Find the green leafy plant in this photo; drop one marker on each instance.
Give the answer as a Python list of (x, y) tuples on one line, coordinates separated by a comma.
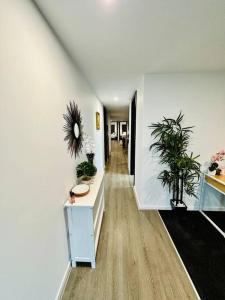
[(86, 169), (183, 170)]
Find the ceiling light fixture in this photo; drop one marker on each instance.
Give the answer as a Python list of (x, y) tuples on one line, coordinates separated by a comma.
[(109, 2), (116, 98)]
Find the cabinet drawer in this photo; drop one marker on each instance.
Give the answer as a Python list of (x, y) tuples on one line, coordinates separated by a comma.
[(98, 223), (97, 202)]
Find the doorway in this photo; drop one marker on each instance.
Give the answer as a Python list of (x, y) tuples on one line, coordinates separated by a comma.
[(106, 135), (118, 126), (133, 135)]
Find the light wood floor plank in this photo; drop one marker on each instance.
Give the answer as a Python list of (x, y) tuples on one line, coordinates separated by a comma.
[(135, 258)]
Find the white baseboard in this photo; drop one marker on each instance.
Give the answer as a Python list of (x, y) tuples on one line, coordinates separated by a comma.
[(63, 282), (136, 197), (156, 207), (148, 206), (213, 209), (213, 224), (180, 259)]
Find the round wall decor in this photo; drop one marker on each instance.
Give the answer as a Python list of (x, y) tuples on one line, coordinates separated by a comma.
[(73, 129)]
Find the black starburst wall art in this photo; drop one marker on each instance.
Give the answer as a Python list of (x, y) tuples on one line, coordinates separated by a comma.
[(73, 129)]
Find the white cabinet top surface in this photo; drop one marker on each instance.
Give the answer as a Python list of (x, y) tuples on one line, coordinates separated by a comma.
[(89, 199)]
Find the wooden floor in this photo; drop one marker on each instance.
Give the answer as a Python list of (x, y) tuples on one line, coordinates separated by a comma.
[(135, 258)]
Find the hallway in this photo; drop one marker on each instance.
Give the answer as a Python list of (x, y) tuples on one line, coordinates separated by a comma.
[(135, 258)]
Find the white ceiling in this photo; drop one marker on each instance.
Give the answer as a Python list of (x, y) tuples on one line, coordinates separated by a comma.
[(114, 42)]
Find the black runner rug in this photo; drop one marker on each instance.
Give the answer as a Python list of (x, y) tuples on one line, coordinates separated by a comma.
[(218, 217), (202, 249)]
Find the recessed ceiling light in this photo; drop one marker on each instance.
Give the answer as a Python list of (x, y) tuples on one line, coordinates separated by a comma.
[(109, 2), (116, 98)]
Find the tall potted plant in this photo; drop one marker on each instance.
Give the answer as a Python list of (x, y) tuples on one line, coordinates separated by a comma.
[(183, 170)]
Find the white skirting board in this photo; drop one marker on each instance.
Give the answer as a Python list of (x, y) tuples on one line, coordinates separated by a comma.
[(155, 207), (63, 282), (136, 197), (148, 207), (219, 209), (213, 224), (192, 284)]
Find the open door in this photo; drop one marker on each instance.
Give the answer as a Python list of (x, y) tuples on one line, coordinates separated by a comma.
[(133, 135)]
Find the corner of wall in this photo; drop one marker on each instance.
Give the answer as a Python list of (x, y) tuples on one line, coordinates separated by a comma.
[(63, 282)]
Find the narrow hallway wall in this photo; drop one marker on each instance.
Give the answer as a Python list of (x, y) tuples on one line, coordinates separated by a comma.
[(37, 81), (201, 97)]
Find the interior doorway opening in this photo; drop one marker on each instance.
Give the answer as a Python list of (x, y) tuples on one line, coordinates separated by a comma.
[(117, 130), (120, 127), (133, 135), (106, 135)]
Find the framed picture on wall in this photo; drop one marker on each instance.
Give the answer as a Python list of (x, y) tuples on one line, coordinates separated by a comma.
[(123, 129), (114, 130), (97, 120)]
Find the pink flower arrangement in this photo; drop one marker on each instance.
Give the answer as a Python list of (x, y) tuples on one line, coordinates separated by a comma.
[(219, 156), (218, 163)]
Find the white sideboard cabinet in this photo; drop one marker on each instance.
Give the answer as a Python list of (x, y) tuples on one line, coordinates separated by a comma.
[(84, 222)]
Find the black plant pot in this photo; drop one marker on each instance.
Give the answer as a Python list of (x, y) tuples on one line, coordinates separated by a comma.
[(178, 208), (90, 157), (218, 171)]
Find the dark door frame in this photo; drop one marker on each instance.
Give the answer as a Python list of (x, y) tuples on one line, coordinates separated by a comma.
[(133, 134), (106, 135)]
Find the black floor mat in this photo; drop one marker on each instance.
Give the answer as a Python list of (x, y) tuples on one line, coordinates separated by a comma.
[(202, 249), (218, 217)]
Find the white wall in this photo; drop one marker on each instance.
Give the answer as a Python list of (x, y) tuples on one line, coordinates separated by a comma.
[(37, 80), (201, 97), (139, 136), (109, 133)]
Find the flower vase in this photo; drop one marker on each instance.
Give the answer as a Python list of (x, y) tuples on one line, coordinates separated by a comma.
[(212, 173), (90, 157), (218, 171)]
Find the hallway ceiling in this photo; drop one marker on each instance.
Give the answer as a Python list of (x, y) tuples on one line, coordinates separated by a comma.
[(114, 42), (121, 114)]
